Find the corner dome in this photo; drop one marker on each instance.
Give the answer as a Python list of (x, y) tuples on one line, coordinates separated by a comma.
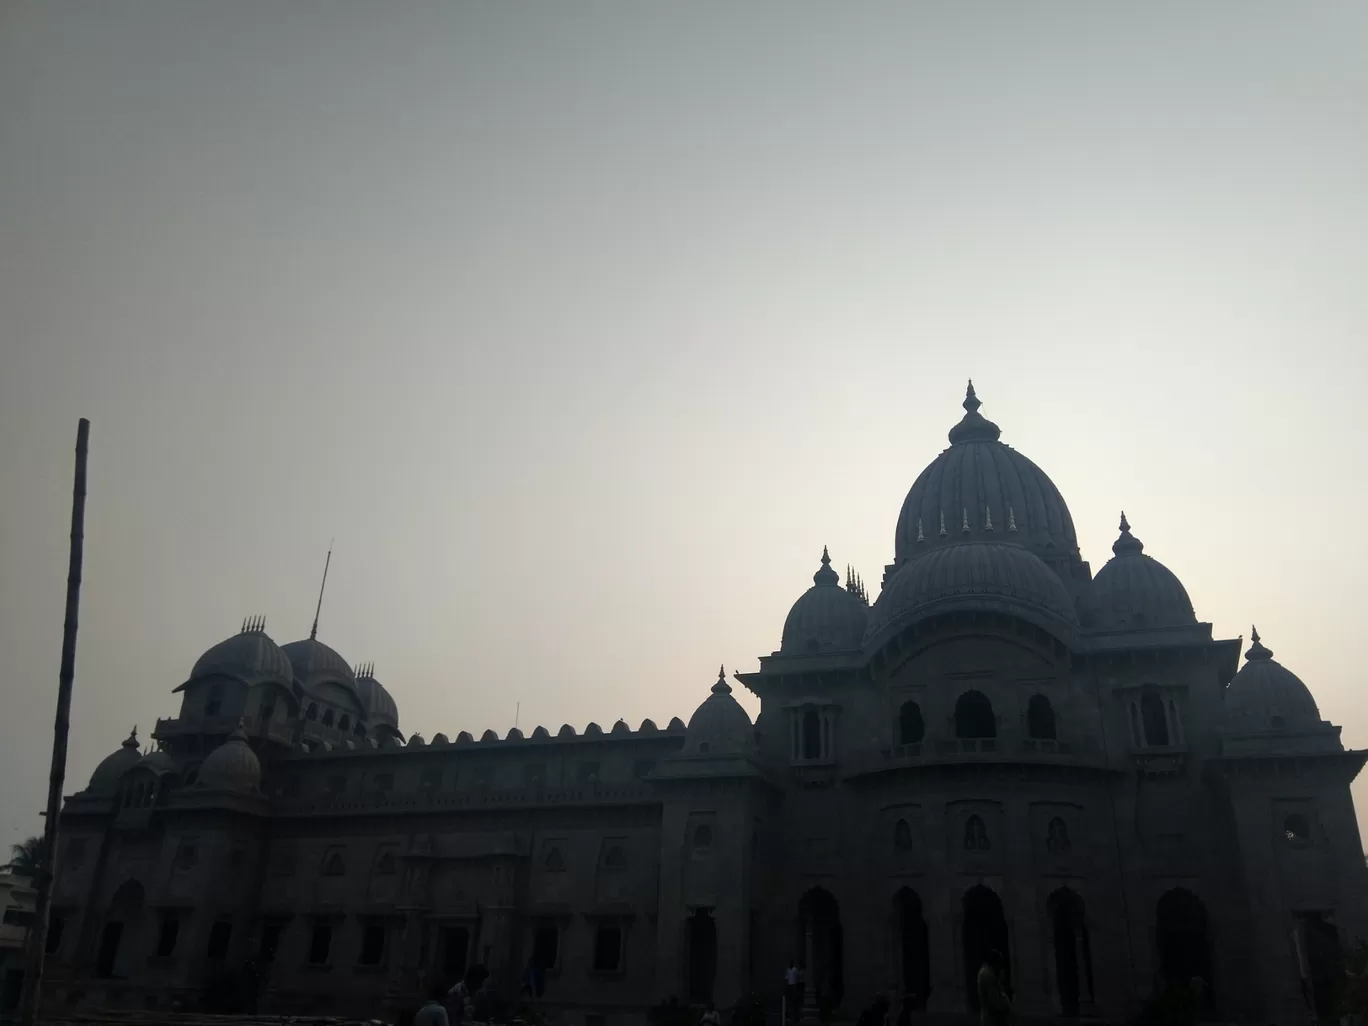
[(314, 663), (1267, 698), (973, 576), (232, 766), (379, 703), (105, 779), (250, 656), (1134, 591), (826, 617), (719, 726), (981, 489)]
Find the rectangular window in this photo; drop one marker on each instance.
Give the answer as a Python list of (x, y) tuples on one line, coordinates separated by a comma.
[(384, 781), (219, 935), (608, 949), (320, 944), (588, 772), (546, 946), (168, 934), (56, 924), (270, 938), (372, 945)]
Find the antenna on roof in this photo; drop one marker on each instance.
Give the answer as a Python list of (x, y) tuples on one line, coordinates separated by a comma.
[(313, 632), (517, 713)]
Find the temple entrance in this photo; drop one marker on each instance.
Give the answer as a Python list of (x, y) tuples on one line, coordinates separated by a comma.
[(455, 951), (985, 932), (1072, 951), (119, 936), (1323, 969), (819, 914), (1184, 948), (914, 952), (702, 939)]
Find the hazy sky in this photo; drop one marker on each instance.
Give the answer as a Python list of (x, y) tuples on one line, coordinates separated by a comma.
[(583, 326)]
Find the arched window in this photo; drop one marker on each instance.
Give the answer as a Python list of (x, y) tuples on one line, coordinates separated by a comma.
[(213, 704), (333, 865), (911, 727), (702, 838), (1040, 718), (615, 861), (976, 835), (902, 836), (360, 730), (1057, 837), (344, 724), (1297, 829), (555, 861), (312, 714), (1156, 723), (974, 716), (327, 717), (812, 735)]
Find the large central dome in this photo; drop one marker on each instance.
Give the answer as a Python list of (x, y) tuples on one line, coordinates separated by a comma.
[(982, 490)]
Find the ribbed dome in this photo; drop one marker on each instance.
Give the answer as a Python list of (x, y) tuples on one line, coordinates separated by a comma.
[(719, 726), (315, 663), (826, 617), (105, 779), (981, 489), (989, 576), (379, 704), (1134, 591), (1265, 697), (250, 656), (232, 766)]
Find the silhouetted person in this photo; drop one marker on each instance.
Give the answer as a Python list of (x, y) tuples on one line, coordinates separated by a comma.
[(995, 1008), (710, 1017), (433, 1013)]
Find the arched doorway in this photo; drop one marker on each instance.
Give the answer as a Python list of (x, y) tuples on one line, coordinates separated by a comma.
[(1323, 958), (819, 913), (702, 955), (119, 937), (1072, 950), (914, 952), (1181, 936), (985, 932)]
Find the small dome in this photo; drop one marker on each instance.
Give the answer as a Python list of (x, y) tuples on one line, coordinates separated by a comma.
[(158, 762), (987, 576), (379, 703), (315, 663), (981, 488), (105, 779), (232, 766), (1266, 697), (1134, 591), (826, 617), (719, 726), (250, 656)]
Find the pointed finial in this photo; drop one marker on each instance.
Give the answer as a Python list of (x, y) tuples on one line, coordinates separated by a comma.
[(942, 523), (826, 556), (972, 426), (132, 740), (1011, 520), (987, 518), (964, 520), (313, 632), (920, 537), (1256, 649), (825, 575), (721, 687), (971, 402), (1127, 543)]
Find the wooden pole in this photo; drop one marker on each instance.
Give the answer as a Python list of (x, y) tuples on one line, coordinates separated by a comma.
[(37, 939)]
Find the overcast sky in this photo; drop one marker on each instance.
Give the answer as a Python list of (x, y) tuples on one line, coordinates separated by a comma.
[(582, 326)]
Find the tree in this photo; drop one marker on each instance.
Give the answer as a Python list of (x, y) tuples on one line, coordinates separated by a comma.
[(26, 857)]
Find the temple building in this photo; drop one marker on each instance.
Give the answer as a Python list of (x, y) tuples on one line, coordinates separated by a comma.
[(1004, 752)]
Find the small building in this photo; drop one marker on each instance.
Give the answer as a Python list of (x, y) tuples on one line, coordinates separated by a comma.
[(17, 898)]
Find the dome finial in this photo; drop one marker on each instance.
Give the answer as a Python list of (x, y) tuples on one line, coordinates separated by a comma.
[(1256, 649), (825, 575), (721, 687), (973, 427), (132, 740), (1127, 543)]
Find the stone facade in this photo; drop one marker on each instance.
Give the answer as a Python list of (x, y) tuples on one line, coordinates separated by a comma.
[(1005, 752)]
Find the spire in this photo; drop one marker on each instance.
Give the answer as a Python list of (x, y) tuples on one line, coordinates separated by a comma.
[(825, 575), (973, 427), (721, 687), (1257, 652), (987, 518), (313, 632), (920, 536), (942, 523), (1011, 520), (964, 520), (132, 740), (1127, 544)]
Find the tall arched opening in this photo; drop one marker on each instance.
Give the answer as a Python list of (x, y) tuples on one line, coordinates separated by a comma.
[(1181, 937), (1072, 950), (913, 947), (820, 916), (702, 955), (119, 936), (985, 932)]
